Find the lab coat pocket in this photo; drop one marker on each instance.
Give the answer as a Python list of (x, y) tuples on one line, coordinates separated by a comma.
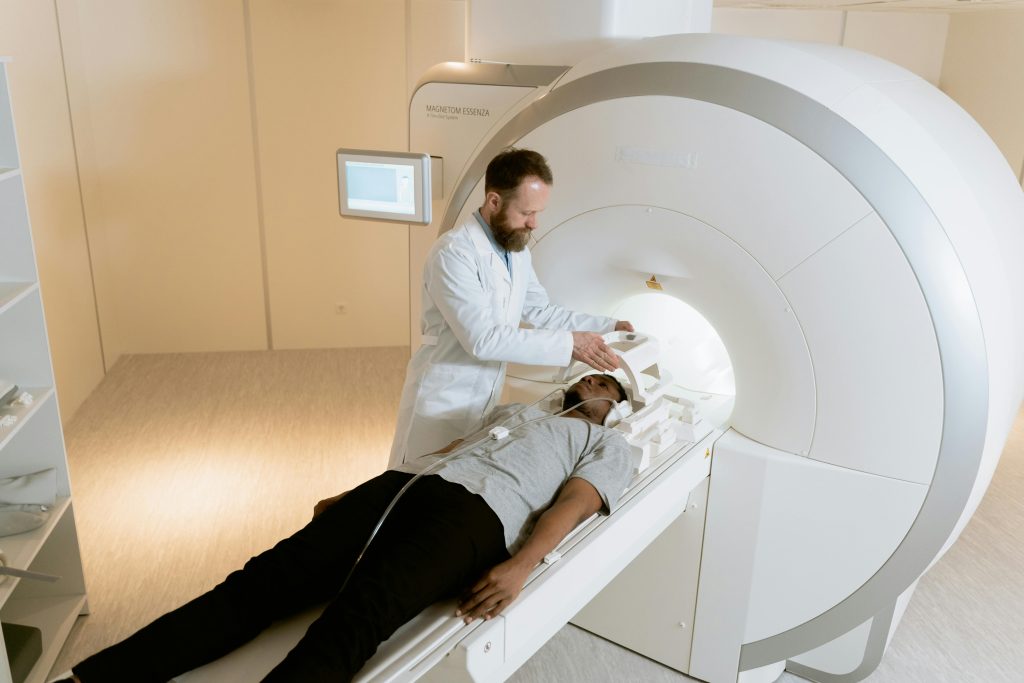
[(447, 392)]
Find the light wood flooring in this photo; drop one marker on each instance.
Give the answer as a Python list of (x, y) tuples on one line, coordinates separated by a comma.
[(183, 466)]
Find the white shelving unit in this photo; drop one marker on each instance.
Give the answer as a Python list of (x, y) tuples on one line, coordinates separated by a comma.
[(35, 441)]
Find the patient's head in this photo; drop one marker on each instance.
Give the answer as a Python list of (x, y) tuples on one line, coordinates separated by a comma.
[(593, 387)]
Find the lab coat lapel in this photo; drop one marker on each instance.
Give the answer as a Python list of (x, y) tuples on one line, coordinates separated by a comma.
[(495, 264), (498, 273)]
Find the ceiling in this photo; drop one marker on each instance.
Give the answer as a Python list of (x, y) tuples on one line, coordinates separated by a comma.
[(878, 5)]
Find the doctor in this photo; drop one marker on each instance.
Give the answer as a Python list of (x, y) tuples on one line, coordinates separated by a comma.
[(478, 285)]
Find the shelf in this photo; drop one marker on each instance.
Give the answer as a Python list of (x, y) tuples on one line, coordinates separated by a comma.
[(23, 413), (21, 550), (13, 292), (54, 616), (35, 441)]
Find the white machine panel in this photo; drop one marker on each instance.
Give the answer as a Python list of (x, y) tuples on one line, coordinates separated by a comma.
[(842, 655), (758, 186), (876, 362), (786, 539), (726, 566), (450, 119), (805, 562), (699, 265), (649, 607), (956, 144)]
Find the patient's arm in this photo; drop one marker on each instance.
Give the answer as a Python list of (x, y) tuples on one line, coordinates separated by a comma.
[(450, 447), (326, 503), (576, 502)]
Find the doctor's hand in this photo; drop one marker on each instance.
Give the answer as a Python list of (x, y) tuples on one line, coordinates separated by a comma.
[(589, 348), (624, 326), (494, 591)]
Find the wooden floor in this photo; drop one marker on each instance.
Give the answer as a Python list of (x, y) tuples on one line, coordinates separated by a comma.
[(183, 466)]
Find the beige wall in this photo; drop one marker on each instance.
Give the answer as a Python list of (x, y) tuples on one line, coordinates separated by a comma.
[(437, 33), (209, 131), (984, 72), (160, 104), (202, 134), (329, 75), (29, 34), (912, 40), (815, 26)]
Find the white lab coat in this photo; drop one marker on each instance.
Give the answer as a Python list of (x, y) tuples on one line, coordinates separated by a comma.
[(470, 330)]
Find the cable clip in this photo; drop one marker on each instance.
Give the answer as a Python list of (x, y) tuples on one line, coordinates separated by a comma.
[(552, 557), (498, 433)]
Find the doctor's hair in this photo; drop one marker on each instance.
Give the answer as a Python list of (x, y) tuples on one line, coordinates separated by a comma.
[(507, 170)]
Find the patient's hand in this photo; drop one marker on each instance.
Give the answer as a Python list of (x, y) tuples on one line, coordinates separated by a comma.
[(326, 503), (495, 591)]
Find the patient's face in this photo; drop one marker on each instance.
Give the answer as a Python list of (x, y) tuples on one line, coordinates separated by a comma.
[(593, 387)]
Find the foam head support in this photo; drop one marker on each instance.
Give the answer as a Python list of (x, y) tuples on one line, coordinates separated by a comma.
[(618, 411)]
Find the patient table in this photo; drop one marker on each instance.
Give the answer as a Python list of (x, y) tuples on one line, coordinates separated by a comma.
[(437, 646)]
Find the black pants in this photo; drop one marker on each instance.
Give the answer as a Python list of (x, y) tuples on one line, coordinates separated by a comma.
[(437, 541)]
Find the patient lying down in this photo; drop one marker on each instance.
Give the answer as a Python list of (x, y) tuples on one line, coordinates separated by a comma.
[(474, 527)]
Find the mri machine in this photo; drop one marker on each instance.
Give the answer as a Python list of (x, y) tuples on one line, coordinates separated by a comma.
[(835, 235)]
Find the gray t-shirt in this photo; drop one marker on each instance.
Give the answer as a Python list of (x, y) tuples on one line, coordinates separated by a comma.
[(520, 476)]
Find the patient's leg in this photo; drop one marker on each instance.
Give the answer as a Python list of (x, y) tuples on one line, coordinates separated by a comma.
[(441, 539), (302, 570)]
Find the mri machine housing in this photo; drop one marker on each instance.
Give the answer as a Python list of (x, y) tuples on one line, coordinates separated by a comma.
[(844, 227)]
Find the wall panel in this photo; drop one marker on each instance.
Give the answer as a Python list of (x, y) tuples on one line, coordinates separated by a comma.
[(815, 26), (983, 71), (329, 75), (437, 33), (915, 41), (160, 104)]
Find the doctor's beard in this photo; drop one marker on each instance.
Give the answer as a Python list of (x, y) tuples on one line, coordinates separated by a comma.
[(510, 239)]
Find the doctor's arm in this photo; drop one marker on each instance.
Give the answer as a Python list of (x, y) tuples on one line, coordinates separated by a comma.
[(587, 345), (540, 312), (454, 285), (576, 502)]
